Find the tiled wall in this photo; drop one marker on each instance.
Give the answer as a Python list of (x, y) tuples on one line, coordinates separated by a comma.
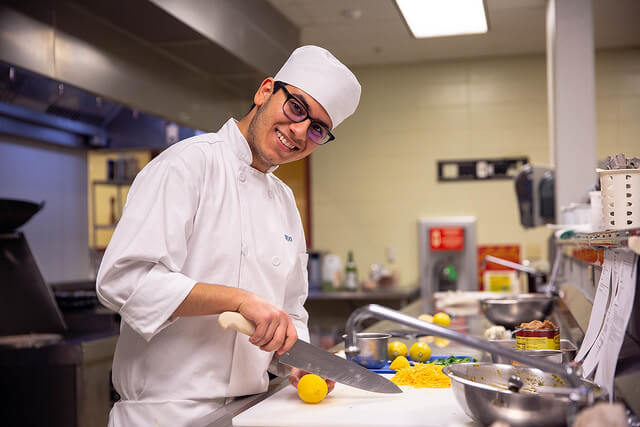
[(371, 185)]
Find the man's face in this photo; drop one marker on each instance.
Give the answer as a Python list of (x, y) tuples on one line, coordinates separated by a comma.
[(274, 139)]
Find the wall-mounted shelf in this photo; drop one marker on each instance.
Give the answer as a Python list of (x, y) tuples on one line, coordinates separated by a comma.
[(117, 209), (606, 239), (116, 182), (104, 226)]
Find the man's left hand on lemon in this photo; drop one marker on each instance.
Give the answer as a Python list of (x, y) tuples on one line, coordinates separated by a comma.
[(296, 374)]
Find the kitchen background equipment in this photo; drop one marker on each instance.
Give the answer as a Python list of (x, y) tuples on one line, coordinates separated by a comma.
[(447, 254), (317, 361), (482, 389), (535, 195), (566, 353), (373, 349), (332, 273), (511, 311), (314, 267), (597, 220), (535, 278), (27, 304), (29, 340), (620, 198), (15, 213)]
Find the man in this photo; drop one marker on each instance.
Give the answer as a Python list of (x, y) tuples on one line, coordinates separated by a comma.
[(208, 228)]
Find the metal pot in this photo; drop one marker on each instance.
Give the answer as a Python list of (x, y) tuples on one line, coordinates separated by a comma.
[(482, 389), (14, 213), (373, 349)]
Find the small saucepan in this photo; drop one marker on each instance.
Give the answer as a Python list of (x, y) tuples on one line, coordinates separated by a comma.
[(373, 349)]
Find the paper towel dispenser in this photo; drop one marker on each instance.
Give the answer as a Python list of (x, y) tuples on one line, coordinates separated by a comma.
[(535, 190)]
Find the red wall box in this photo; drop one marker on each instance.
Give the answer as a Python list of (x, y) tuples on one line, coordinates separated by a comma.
[(446, 238)]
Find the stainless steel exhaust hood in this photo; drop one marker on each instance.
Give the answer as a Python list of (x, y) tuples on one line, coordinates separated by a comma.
[(194, 62)]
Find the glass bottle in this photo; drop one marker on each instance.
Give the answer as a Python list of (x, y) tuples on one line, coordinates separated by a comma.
[(351, 274)]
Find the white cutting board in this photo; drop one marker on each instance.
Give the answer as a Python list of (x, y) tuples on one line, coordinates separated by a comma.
[(348, 406)]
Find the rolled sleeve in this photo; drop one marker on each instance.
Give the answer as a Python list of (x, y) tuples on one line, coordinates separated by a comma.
[(148, 310)]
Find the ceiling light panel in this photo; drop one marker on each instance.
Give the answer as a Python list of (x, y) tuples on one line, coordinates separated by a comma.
[(438, 18)]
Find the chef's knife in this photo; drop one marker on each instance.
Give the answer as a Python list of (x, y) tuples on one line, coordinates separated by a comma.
[(317, 361)]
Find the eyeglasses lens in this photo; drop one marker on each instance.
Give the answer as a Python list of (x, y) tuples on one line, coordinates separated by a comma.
[(297, 113), (294, 110), (316, 133)]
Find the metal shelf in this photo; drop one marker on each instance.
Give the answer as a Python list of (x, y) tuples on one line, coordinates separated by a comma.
[(119, 185), (104, 226), (606, 239), (116, 182)]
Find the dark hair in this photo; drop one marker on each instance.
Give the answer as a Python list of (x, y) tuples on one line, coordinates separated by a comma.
[(277, 85)]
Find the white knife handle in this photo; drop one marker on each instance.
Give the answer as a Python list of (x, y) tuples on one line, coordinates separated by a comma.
[(237, 321)]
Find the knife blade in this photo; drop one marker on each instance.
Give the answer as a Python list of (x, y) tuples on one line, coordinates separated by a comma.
[(310, 358)]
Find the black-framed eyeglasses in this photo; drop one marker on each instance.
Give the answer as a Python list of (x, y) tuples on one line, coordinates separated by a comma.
[(297, 112)]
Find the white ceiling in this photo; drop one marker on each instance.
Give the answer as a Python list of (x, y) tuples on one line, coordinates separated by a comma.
[(380, 35)]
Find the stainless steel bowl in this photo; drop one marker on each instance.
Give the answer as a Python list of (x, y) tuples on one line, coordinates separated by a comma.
[(511, 311), (373, 349), (482, 391), (566, 353)]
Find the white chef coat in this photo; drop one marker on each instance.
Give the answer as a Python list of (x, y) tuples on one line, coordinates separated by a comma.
[(197, 213)]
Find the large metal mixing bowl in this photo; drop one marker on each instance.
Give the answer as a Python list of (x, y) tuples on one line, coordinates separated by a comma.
[(511, 311), (483, 392)]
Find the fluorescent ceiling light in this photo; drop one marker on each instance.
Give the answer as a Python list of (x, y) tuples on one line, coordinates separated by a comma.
[(436, 18)]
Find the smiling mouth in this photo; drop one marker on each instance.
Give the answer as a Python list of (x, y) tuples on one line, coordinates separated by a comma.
[(284, 141)]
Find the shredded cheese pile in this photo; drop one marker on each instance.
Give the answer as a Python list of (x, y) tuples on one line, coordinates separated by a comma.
[(422, 375)]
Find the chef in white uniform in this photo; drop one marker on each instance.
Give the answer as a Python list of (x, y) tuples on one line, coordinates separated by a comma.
[(208, 228)]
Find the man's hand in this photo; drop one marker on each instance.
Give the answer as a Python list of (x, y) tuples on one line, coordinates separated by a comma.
[(296, 374), (274, 328)]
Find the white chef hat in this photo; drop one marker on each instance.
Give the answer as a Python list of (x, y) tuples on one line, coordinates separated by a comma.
[(317, 72)]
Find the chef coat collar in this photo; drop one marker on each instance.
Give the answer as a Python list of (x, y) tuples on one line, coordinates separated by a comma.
[(239, 144)]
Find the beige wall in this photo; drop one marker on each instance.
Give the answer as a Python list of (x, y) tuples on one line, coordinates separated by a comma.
[(371, 185)]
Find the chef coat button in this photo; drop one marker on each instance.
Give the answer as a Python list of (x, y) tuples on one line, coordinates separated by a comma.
[(270, 193), (242, 177), (245, 250), (276, 261)]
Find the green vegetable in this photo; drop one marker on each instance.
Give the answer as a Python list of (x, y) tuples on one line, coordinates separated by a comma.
[(453, 359)]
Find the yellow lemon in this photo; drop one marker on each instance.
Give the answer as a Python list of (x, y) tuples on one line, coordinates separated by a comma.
[(420, 352), (312, 388), (400, 362), (442, 319), (395, 349)]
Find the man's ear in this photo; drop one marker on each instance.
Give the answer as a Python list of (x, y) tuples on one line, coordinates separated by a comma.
[(264, 91)]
